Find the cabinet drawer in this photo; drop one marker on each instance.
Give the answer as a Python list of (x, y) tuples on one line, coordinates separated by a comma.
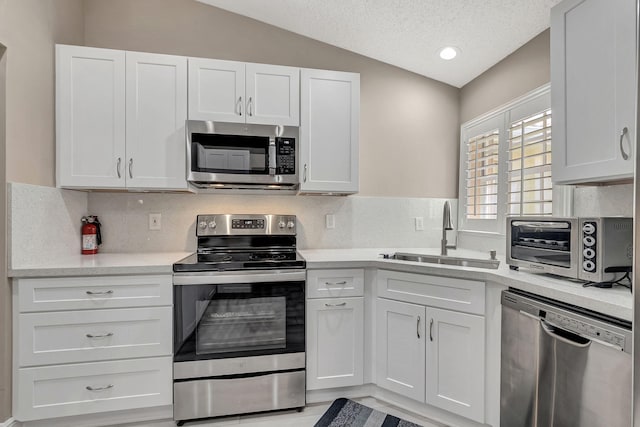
[(66, 390), (77, 293), (335, 283), (435, 291), (83, 336)]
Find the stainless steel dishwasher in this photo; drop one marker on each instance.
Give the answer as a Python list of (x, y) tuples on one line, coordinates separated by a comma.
[(562, 366)]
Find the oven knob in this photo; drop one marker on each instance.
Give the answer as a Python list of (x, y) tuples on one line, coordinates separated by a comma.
[(281, 224), (588, 228), (202, 224), (589, 266), (589, 253), (291, 224), (212, 224), (589, 241)]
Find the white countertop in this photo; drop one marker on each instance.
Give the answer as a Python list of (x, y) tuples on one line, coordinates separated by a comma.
[(99, 264), (616, 302)]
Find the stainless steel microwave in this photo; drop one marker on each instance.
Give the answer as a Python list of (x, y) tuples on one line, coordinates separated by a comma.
[(591, 249), (240, 161)]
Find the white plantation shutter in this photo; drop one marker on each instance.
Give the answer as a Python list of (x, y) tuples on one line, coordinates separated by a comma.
[(529, 170), (482, 176), (505, 165)]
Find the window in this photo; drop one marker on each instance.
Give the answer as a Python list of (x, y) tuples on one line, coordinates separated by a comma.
[(505, 164)]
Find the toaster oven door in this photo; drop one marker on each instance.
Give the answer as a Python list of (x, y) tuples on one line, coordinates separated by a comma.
[(548, 245)]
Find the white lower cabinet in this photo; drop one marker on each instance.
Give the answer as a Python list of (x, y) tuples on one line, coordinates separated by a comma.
[(433, 352), (335, 328), (455, 362), (400, 364), (85, 388), (84, 345), (335, 342)]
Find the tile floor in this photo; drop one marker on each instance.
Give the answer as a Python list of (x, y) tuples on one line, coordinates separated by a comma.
[(306, 418)]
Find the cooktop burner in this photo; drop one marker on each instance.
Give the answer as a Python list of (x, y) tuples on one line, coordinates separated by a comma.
[(243, 242)]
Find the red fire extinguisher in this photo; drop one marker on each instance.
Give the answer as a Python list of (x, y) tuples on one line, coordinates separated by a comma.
[(91, 237)]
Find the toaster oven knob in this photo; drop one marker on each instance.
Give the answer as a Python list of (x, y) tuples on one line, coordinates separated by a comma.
[(202, 224), (281, 224), (212, 225), (588, 228), (589, 253), (589, 241), (588, 266), (290, 224)]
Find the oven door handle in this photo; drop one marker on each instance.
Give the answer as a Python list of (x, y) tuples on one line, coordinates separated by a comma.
[(217, 278)]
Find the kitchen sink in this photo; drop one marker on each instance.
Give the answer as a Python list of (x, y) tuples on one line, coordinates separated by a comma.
[(445, 260)]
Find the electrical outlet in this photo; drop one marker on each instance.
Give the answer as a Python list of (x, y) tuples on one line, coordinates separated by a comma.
[(330, 220), (419, 223), (155, 221)]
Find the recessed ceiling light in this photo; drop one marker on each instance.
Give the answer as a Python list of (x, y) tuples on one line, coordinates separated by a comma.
[(448, 53)]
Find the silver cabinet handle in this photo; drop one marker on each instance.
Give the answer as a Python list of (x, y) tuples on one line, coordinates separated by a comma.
[(131, 168), (625, 156), (344, 282), (342, 304), (240, 106), (431, 330), (118, 167), (99, 292), (304, 175), (110, 334), (107, 387), (418, 327), (250, 107)]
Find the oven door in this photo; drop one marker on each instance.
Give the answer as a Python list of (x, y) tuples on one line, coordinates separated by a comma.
[(238, 314)]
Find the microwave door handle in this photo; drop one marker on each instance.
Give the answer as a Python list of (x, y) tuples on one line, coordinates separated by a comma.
[(272, 156)]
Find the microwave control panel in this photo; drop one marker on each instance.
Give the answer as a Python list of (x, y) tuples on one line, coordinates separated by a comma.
[(285, 156)]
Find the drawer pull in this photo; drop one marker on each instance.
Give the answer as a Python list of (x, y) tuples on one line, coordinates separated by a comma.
[(110, 334), (342, 304), (344, 282), (107, 387), (99, 292)]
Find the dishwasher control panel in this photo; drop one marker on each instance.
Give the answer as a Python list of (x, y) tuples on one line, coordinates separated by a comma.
[(586, 329)]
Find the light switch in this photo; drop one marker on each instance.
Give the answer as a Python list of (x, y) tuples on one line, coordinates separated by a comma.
[(330, 220), (419, 223)]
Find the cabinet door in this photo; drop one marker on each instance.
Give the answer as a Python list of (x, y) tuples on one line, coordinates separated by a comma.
[(455, 362), (156, 106), (335, 342), (329, 131), (216, 90), (593, 54), (90, 117), (400, 366), (273, 95)]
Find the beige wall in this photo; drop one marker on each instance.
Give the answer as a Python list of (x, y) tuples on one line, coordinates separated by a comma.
[(29, 29), (409, 124), (521, 72), (5, 292)]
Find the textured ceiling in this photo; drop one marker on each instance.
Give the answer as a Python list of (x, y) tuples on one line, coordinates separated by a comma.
[(409, 33)]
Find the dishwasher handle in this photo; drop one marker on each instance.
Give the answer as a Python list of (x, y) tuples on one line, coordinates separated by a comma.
[(564, 335)]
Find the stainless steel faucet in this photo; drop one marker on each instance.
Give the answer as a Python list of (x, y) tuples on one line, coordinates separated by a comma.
[(446, 225)]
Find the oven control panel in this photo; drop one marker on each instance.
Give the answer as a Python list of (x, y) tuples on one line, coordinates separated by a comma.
[(237, 224)]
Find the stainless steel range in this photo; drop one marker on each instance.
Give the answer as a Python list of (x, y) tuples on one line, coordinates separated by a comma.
[(239, 318)]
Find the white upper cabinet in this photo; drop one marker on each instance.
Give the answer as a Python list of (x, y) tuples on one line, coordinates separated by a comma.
[(156, 109), (238, 92), (593, 56), (90, 117), (97, 92), (329, 131)]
